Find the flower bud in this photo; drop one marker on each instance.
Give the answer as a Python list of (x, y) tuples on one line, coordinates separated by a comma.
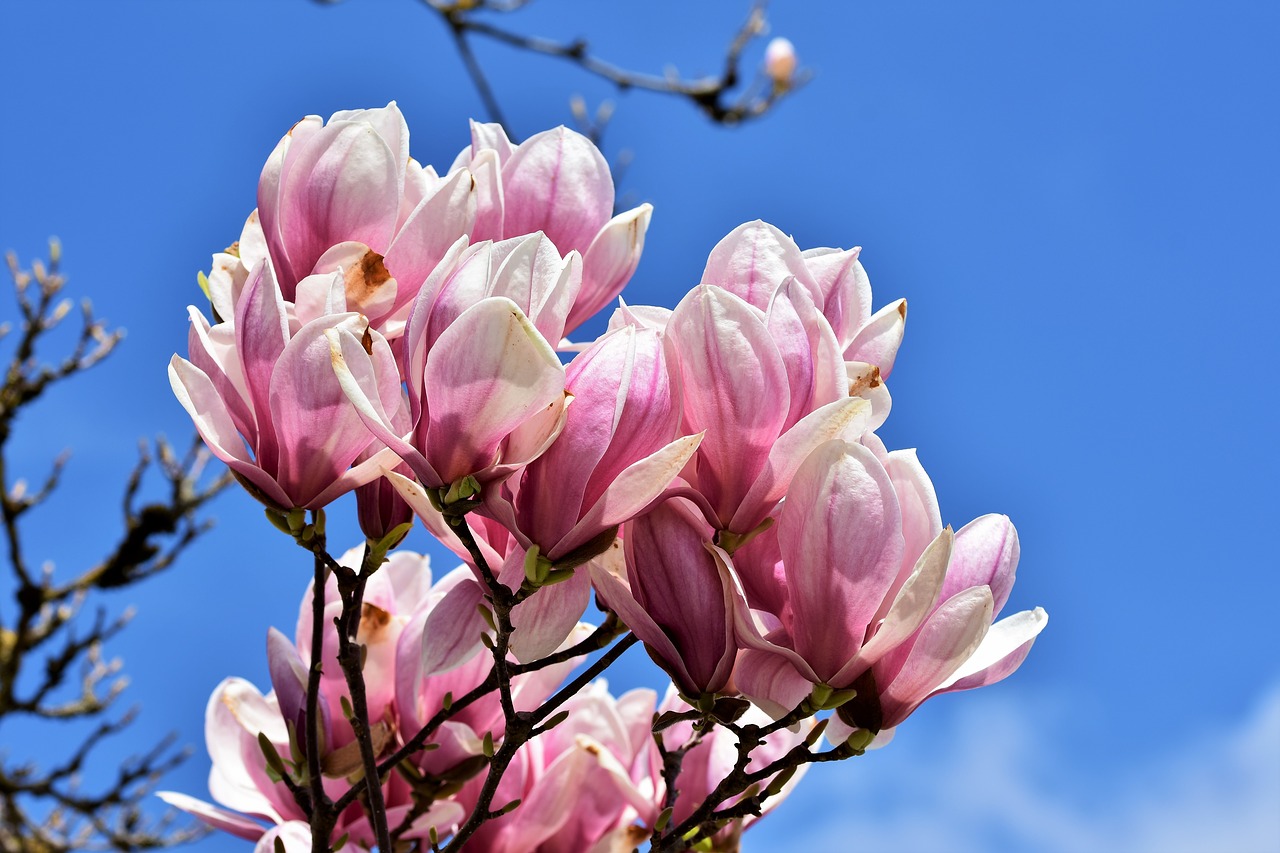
[(780, 61)]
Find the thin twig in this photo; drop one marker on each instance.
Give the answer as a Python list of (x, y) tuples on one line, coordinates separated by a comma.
[(48, 636), (716, 96)]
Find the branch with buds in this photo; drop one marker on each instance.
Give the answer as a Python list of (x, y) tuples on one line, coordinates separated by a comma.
[(723, 98), (711, 473), (51, 653)]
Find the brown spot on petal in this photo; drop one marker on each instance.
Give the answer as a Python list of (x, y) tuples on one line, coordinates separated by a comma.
[(373, 623), (866, 380), (633, 836), (346, 760), (233, 249), (902, 309), (363, 279), (366, 341)]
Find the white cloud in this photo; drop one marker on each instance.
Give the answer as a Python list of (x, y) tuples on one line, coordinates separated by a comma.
[(996, 778)]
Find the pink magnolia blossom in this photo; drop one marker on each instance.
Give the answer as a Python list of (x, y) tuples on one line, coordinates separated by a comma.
[(486, 400), (755, 259), (348, 185), (558, 183), (854, 618), (765, 389), (957, 647), (840, 542), (678, 596), (616, 456), (617, 453), (345, 196), (422, 641), (528, 270), (258, 388)]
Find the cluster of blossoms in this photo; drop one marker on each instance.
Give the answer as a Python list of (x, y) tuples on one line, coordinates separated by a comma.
[(592, 782), (711, 472)]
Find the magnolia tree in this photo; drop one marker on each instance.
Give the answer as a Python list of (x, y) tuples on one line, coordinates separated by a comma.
[(710, 474)]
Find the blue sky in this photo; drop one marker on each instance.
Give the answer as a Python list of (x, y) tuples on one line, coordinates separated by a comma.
[(1078, 201)]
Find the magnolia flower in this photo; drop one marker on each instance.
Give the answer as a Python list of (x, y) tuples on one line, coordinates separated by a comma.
[(259, 388), (618, 453), (957, 647), (557, 182), (852, 621), (486, 400), (678, 596), (421, 641), (756, 259), (528, 270), (766, 389), (345, 196), (350, 183)]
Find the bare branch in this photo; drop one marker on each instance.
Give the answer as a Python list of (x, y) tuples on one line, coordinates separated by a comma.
[(720, 97), (48, 640)]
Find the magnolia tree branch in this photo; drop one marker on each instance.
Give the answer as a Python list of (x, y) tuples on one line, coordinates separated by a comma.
[(519, 726), (723, 98), (707, 818), (51, 658)]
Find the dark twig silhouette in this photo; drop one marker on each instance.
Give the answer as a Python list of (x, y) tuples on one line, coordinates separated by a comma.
[(51, 652)]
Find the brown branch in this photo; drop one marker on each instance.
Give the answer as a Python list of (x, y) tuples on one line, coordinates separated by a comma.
[(708, 818), (46, 639), (716, 96)]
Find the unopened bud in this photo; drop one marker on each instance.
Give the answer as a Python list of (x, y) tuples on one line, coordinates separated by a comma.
[(860, 740), (780, 61)]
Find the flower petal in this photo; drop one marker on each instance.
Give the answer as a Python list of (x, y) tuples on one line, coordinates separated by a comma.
[(557, 182), (431, 230), (986, 554), (845, 289), (945, 642), (1001, 652), (737, 391), (237, 825), (836, 581), (843, 419), (877, 342), (196, 393), (610, 262), (753, 260), (489, 373)]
